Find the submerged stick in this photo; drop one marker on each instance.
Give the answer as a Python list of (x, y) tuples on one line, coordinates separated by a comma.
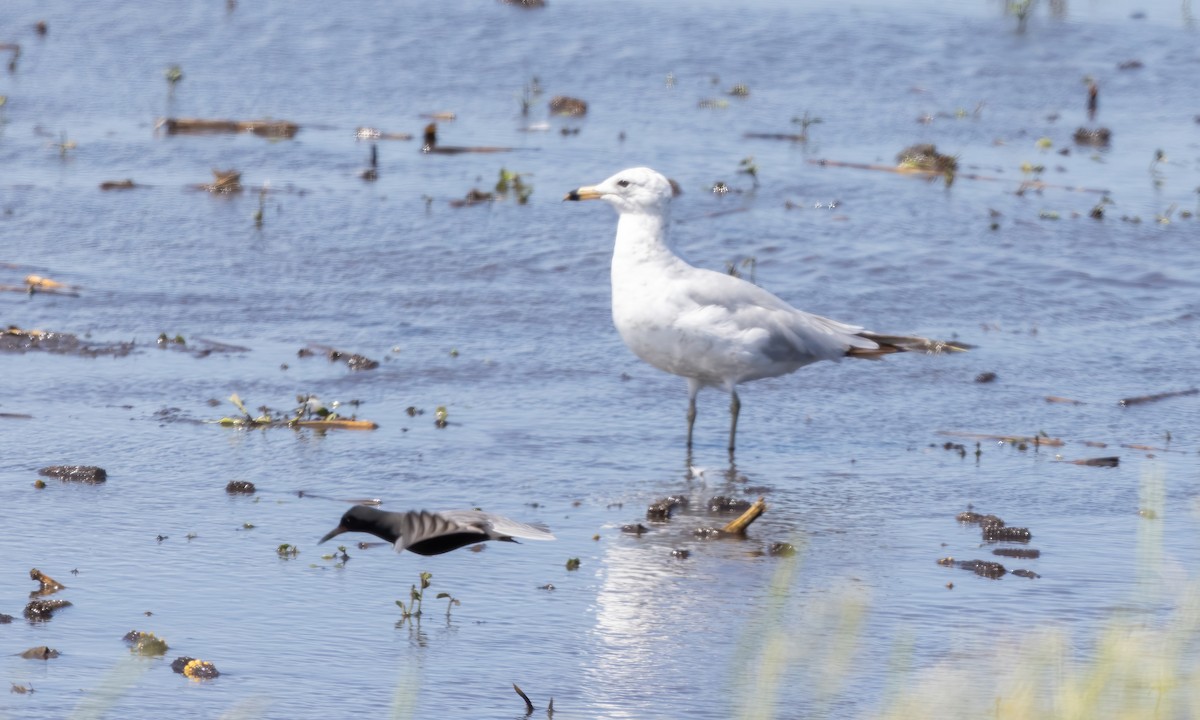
[(528, 702), (1126, 402), (739, 524)]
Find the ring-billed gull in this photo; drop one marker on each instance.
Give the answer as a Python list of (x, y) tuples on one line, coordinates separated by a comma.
[(434, 533), (710, 328)]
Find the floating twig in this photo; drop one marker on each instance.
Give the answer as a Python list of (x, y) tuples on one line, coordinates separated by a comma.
[(262, 128), (739, 524), (1142, 399), (528, 702)]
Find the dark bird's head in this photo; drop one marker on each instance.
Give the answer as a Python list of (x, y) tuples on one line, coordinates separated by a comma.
[(361, 518)]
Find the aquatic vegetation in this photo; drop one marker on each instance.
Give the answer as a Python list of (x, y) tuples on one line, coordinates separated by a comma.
[(173, 75), (146, 643), (311, 413), (415, 597), (452, 601)]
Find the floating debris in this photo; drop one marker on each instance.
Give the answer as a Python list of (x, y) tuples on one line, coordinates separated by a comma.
[(974, 518), (473, 197), (240, 487), (430, 145), (43, 610), (262, 128), (527, 5), (1112, 461), (983, 568), (925, 158), (790, 137), (126, 184), (198, 347), (635, 529), (1018, 440), (1026, 574), (739, 524), (15, 339), (224, 182), (1098, 137), (352, 360), (49, 585), (75, 473), (985, 377), (1143, 399), (781, 549), (369, 133), (563, 105), (721, 503), (1001, 533), (573, 564), (660, 510), (310, 414), (681, 554), (1020, 553), (197, 669), (41, 284), (5, 619), (41, 652), (145, 643), (1063, 400), (740, 90), (21, 689)]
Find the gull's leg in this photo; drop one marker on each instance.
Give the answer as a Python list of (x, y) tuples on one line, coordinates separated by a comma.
[(693, 390), (735, 407)]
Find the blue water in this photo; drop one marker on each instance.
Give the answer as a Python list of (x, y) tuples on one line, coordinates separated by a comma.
[(500, 314)]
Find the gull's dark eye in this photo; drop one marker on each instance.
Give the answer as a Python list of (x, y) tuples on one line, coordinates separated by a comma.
[(623, 183)]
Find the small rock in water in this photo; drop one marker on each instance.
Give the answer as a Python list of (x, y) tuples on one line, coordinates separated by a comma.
[(662, 508), (75, 473), (41, 652), (634, 529), (1026, 574), (240, 487), (983, 568), (43, 610), (994, 533), (720, 503), (781, 549), (681, 554)]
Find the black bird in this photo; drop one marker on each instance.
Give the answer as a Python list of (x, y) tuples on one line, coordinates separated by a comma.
[(434, 533)]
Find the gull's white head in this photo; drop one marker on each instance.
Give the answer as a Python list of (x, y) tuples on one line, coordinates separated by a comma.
[(636, 190)]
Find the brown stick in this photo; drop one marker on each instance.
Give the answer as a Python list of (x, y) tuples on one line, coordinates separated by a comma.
[(528, 702), (739, 524), (1126, 402)]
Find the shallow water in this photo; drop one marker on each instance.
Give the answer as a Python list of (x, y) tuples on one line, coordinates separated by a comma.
[(551, 418)]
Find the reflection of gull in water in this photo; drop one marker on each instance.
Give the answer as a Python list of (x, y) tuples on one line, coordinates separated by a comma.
[(712, 329), (428, 533)]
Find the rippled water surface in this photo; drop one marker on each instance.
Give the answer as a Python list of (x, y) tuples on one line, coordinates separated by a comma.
[(500, 314)]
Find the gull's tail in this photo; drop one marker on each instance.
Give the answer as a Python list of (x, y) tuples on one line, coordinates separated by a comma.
[(889, 344)]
